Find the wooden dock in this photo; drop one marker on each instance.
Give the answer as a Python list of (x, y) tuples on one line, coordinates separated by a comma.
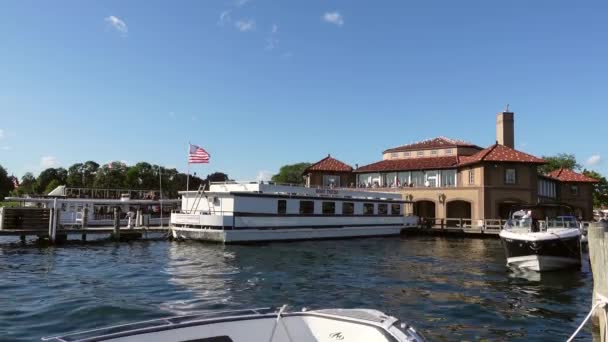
[(43, 223), (598, 254)]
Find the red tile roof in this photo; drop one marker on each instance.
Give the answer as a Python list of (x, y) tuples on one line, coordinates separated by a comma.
[(329, 164), (566, 175), (429, 163), (440, 142), (500, 153)]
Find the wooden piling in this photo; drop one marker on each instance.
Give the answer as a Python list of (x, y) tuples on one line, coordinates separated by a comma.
[(52, 224), (597, 235), (85, 217), (116, 233)]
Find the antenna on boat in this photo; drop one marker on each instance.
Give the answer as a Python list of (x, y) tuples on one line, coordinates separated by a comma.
[(507, 108)]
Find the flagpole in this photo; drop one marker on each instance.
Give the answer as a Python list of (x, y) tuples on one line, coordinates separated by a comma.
[(188, 170), (160, 181)]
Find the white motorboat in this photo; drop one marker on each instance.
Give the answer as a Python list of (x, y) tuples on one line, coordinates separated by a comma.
[(234, 212), (541, 245), (259, 325)]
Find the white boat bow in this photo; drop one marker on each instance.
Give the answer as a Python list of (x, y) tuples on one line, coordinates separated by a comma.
[(263, 325)]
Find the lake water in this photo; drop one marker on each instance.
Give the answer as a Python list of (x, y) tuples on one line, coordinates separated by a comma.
[(451, 289)]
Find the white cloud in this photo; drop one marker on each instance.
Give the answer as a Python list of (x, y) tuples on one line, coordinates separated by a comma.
[(1, 133), (6, 148), (263, 175), (286, 55), (333, 18), (49, 161), (225, 17), (245, 25), (241, 3), (272, 41), (117, 24), (594, 159)]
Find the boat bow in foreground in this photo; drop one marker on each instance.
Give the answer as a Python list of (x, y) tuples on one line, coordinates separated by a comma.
[(263, 325)]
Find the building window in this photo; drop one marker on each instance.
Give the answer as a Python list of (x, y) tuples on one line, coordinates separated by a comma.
[(282, 207), (420, 153), (510, 176), (447, 152), (394, 155), (433, 152), (574, 190), (368, 209), (348, 208), (471, 177), (448, 178), (329, 208), (307, 207), (382, 209), (406, 154), (418, 178), (395, 209)]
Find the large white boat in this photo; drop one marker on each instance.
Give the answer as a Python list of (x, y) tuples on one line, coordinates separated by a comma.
[(538, 238), (259, 325), (96, 211), (240, 212)]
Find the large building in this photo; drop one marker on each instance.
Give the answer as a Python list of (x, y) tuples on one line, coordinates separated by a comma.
[(448, 178)]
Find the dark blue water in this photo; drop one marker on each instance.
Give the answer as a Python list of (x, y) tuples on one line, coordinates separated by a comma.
[(451, 289)]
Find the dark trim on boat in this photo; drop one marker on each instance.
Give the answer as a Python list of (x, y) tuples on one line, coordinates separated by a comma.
[(313, 197), (559, 247), (327, 226), (250, 214)]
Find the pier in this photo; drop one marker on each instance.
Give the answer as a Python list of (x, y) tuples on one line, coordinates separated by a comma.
[(44, 224)]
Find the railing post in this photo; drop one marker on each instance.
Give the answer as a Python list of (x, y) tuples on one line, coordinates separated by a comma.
[(51, 225), (85, 217)]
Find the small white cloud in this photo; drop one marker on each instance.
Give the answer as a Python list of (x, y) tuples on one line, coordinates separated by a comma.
[(1, 133), (594, 159), (117, 24), (263, 175), (6, 148), (241, 3), (225, 17), (272, 41), (287, 55), (333, 18), (245, 25), (49, 161)]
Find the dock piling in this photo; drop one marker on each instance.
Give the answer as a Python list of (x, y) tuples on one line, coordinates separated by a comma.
[(116, 233), (598, 253)]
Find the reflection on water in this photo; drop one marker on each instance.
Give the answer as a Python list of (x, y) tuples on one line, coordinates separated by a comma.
[(452, 289)]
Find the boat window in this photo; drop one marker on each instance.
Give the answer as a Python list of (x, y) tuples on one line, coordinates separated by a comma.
[(307, 207), (368, 209), (396, 209), (329, 208), (382, 209), (282, 207), (348, 208)]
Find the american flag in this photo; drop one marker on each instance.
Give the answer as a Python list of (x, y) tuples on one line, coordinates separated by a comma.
[(197, 155)]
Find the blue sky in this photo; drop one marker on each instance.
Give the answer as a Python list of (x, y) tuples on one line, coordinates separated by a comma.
[(263, 83)]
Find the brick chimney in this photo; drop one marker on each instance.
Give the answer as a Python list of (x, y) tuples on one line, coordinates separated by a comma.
[(505, 129)]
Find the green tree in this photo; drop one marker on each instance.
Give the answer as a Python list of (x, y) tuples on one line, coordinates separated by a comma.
[(142, 176), (6, 185), (558, 161), (47, 176), (600, 190), (111, 176), (82, 174), (27, 185), (52, 185), (291, 174)]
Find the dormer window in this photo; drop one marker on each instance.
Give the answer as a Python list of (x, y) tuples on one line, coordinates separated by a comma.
[(420, 153), (448, 151), (433, 152)]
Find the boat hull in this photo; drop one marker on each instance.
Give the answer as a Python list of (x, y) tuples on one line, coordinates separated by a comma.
[(541, 254), (286, 234)]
